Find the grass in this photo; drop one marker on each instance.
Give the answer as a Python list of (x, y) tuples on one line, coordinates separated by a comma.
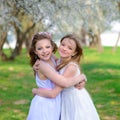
[(102, 71)]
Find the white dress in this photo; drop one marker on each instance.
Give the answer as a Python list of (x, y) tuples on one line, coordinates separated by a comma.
[(77, 104), (42, 108)]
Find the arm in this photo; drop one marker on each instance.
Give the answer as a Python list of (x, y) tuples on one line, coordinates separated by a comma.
[(81, 84), (70, 71), (36, 66), (37, 63), (47, 93), (59, 79), (55, 91)]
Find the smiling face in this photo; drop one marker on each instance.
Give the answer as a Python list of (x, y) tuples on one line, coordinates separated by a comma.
[(67, 48), (43, 49)]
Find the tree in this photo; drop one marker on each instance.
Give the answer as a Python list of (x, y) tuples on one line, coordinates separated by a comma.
[(22, 26), (58, 17), (114, 48), (95, 15)]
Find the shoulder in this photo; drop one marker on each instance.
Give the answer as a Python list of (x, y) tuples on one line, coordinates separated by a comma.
[(42, 65), (71, 68), (72, 65)]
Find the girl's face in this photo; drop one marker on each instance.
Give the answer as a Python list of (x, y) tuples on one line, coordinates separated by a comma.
[(43, 49), (67, 48)]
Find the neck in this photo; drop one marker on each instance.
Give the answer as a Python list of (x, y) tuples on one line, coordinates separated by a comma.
[(51, 63), (64, 59)]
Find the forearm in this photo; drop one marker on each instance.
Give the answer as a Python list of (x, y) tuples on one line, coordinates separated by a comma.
[(53, 75), (50, 93), (73, 81), (62, 80), (57, 78)]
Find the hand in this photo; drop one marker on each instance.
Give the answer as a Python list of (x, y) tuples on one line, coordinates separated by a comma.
[(80, 85), (36, 65), (84, 78), (34, 91)]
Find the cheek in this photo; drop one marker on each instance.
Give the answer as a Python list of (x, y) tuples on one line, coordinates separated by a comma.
[(51, 49), (70, 53), (38, 52), (60, 47)]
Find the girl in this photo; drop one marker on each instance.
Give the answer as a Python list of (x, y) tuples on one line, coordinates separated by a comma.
[(42, 108), (76, 104)]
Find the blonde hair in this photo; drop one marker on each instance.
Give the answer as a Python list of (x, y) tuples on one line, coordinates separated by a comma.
[(79, 51)]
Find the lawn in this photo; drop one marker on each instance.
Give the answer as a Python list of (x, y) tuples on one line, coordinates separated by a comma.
[(102, 71)]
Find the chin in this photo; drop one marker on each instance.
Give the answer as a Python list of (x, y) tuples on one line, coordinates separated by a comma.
[(46, 59), (64, 56)]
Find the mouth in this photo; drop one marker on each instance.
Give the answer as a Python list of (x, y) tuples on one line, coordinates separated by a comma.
[(62, 52), (45, 55)]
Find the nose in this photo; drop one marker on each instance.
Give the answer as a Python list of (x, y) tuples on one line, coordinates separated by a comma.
[(64, 48), (44, 50)]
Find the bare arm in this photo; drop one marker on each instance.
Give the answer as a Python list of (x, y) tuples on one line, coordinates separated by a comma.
[(59, 79), (70, 71), (81, 84), (47, 93)]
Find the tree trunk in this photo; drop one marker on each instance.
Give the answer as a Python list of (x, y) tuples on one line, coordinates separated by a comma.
[(99, 44), (83, 36), (19, 43), (115, 47), (2, 42), (28, 36), (3, 39), (22, 37)]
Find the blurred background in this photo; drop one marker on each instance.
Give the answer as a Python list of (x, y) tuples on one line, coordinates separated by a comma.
[(96, 22)]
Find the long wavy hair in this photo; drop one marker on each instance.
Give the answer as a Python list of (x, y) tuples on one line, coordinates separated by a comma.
[(37, 37), (79, 51)]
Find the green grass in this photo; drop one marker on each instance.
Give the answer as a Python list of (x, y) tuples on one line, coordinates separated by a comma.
[(102, 71)]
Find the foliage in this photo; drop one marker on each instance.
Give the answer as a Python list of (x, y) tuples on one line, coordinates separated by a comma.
[(58, 17), (102, 71), (62, 13)]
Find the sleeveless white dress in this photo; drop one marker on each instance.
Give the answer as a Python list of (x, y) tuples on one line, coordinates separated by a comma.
[(77, 104), (42, 108)]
